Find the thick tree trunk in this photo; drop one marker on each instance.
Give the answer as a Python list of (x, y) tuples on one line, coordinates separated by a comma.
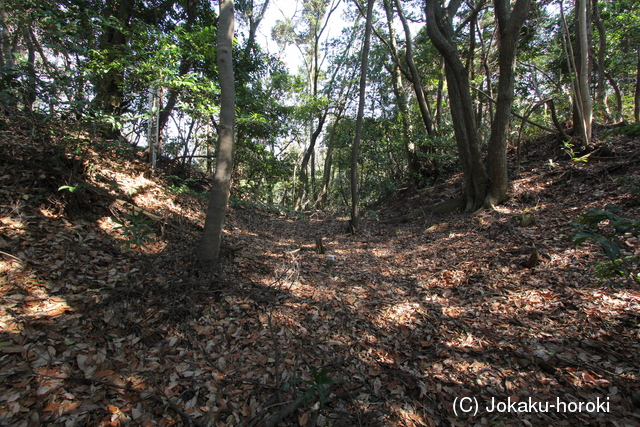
[(209, 248), (355, 149), (108, 86), (509, 25), (440, 31)]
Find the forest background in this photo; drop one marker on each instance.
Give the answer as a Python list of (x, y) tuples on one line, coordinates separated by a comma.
[(113, 127)]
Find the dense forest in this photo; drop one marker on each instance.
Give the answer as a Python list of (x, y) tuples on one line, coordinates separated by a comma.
[(371, 213)]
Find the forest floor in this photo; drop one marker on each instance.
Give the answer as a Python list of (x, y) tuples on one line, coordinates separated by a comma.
[(432, 322)]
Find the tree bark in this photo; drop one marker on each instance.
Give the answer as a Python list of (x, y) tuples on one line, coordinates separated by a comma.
[(401, 99), (583, 102), (355, 149), (108, 86), (321, 202), (209, 248), (417, 85), (440, 31), (636, 110), (509, 24), (601, 92)]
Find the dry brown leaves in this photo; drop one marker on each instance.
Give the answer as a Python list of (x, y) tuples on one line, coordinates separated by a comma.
[(412, 324)]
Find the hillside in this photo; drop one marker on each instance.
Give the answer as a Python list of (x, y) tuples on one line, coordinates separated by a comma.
[(410, 319)]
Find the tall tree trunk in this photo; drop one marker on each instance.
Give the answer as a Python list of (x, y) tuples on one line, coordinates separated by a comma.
[(636, 110), (6, 59), (440, 96), (209, 248), (183, 69), (31, 90), (417, 85), (401, 99), (355, 149), (302, 185), (617, 93), (109, 92), (601, 92), (440, 31), (321, 202), (583, 74), (509, 24)]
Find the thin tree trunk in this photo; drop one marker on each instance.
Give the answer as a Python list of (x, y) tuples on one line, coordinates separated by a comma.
[(601, 92), (321, 202), (401, 99), (355, 149), (417, 85), (617, 93), (636, 112), (440, 96), (302, 186), (209, 248)]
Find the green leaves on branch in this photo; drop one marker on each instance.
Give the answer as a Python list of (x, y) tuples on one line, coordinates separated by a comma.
[(607, 228), (135, 229)]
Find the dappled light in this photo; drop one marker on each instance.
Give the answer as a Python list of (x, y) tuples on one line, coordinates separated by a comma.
[(319, 213)]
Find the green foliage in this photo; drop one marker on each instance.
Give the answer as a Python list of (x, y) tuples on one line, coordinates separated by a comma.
[(568, 146), (609, 229), (319, 386), (630, 131), (73, 189), (135, 229), (184, 186)]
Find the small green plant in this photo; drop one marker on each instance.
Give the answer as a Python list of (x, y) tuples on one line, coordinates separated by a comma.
[(372, 214), (568, 148), (135, 228), (318, 386), (607, 228), (73, 189)]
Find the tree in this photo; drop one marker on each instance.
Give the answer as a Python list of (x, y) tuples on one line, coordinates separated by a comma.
[(440, 30), (509, 24), (209, 248), (582, 94), (355, 151), (442, 35)]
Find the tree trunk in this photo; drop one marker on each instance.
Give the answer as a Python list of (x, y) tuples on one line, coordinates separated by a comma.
[(109, 92), (617, 93), (321, 202), (636, 110), (583, 75), (440, 96), (401, 99), (5, 35), (417, 85), (601, 92), (355, 149), (209, 248), (440, 31), (31, 90), (509, 24), (302, 185)]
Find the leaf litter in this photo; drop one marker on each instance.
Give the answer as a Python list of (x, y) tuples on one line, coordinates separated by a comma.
[(409, 319)]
